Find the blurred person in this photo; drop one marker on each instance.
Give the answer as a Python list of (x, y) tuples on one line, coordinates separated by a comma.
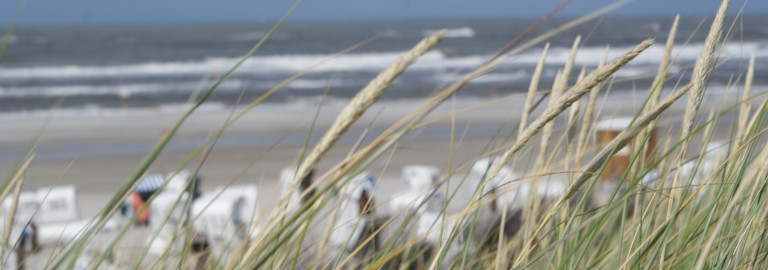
[(144, 190)]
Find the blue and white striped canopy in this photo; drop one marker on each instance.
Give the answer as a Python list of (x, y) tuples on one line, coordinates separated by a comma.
[(150, 183)]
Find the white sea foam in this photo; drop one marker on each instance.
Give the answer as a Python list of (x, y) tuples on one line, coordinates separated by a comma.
[(313, 84), (73, 71), (353, 62), (633, 71), (371, 62), (259, 64), (93, 110), (248, 36), (313, 101), (169, 87), (592, 55), (141, 88), (495, 77), (715, 95), (463, 32)]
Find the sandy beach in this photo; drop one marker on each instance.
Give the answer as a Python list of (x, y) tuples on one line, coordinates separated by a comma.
[(99, 153)]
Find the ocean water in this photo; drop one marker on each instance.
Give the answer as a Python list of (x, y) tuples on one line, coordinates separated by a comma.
[(96, 68)]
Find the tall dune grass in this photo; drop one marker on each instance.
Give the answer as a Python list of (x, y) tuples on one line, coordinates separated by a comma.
[(660, 216)]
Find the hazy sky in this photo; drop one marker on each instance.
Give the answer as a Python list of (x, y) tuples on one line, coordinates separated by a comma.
[(47, 12)]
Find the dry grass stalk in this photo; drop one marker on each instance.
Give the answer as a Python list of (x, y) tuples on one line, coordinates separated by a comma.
[(558, 87), (597, 161), (746, 104), (699, 77), (17, 175), (573, 117), (349, 114), (570, 123), (575, 109), (389, 136), (532, 88), (702, 69), (15, 186), (386, 138), (589, 112), (578, 90), (568, 68), (740, 189), (546, 132), (657, 87), (762, 157), (362, 101), (661, 76), (562, 84)]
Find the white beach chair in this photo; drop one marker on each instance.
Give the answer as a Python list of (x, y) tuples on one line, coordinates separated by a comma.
[(8, 260), (95, 248), (694, 172), (509, 193), (287, 175), (26, 208), (34, 208), (248, 210), (421, 192), (54, 211), (350, 218), (421, 212), (179, 182), (512, 190), (291, 190), (715, 155), (224, 217), (423, 200), (58, 217), (59, 223), (174, 207), (58, 204), (505, 187)]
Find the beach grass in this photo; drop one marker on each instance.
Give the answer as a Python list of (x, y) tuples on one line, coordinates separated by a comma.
[(680, 207)]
